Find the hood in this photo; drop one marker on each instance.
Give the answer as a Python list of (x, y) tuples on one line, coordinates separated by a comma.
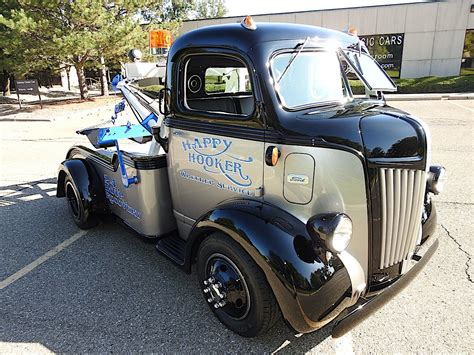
[(379, 134)]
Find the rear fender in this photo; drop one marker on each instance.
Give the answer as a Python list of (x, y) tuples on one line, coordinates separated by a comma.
[(86, 181), (306, 278)]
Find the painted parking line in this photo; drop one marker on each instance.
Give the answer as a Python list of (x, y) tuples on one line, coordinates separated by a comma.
[(459, 105), (344, 344), (23, 348), (33, 265)]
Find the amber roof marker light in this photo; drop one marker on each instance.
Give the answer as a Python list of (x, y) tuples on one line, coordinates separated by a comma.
[(249, 23), (159, 41), (352, 31)]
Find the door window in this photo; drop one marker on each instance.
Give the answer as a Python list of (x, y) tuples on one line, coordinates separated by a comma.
[(218, 84)]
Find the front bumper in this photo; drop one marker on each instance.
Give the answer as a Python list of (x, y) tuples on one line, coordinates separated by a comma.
[(368, 304)]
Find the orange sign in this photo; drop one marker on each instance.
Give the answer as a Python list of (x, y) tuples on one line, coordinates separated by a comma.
[(160, 39)]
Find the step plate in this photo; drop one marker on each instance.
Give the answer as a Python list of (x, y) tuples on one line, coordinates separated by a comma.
[(173, 247)]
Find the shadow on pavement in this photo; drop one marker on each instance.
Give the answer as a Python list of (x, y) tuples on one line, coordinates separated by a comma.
[(11, 109), (108, 291)]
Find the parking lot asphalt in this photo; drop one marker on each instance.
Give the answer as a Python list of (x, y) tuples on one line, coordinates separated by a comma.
[(105, 290)]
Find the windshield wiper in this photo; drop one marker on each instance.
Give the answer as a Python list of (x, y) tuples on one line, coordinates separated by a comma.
[(293, 58)]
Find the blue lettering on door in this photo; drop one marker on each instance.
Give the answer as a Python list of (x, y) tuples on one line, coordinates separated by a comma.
[(211, 154)]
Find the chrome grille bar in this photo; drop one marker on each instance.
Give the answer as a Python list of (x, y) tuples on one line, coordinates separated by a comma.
[(402, 193)]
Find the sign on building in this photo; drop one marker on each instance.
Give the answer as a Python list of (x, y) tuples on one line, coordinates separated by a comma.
[(387, 49)]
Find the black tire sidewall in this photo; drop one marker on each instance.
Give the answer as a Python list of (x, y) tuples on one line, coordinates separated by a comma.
[(253, 323), (84, 218)]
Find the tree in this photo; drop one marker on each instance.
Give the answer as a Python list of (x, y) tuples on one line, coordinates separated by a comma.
[(7, 60), (172, 11), (55, 34), (210, 8), (178, 10), (71, 32)]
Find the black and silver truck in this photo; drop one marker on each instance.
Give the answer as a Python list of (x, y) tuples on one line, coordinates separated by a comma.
[(292, 197)]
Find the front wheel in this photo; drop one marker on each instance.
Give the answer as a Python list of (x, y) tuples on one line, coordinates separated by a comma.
[(82, 216), (235, 287)]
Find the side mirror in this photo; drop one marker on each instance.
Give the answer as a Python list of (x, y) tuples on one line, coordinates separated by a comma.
[(165, 101)]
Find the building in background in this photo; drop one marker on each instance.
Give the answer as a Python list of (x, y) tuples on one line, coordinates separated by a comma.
[(409, 40)]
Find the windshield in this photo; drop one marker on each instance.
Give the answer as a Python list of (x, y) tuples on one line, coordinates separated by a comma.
[(369, 71), (313, 78)]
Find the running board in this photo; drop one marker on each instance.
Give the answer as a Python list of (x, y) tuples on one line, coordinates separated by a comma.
[(173, 247)]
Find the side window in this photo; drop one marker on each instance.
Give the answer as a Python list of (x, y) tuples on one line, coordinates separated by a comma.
[(227, 80), (218, 84)]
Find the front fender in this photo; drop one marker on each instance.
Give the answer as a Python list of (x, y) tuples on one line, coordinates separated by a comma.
[(86, 181), (308, 282)]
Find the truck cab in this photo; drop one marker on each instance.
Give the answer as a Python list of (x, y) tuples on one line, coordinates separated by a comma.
[(290, 195)]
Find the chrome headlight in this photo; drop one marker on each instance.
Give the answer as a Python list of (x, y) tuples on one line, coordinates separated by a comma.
[(335, 229), (436, 179)]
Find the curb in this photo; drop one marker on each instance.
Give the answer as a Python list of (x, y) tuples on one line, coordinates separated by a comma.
[(426, 97)]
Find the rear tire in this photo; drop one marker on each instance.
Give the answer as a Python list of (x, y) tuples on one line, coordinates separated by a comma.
[(82, 216), (245, 301)]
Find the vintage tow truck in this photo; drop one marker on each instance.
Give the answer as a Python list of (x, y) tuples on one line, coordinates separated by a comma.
[(291, 196)]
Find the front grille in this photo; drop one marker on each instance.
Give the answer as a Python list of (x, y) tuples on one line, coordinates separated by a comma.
[(402, 193)]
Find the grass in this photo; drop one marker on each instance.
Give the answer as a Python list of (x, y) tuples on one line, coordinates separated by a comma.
[(429, 84), (212, 88), (434, 84), (467, 71), (152, 90)]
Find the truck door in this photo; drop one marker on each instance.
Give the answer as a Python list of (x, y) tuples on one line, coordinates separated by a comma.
[(216, 140)]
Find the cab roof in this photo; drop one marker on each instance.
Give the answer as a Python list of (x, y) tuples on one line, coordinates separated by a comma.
[(235, 36)]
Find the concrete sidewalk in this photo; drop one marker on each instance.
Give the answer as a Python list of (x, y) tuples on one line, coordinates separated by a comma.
[(48, 95), (436, 96)]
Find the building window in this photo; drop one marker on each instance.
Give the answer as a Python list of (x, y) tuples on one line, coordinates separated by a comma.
[(387, 50), (467, 61)]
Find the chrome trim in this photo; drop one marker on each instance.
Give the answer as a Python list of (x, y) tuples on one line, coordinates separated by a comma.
[(402, 192), (356, 274)]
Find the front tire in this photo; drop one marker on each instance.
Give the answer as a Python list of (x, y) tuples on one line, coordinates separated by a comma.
[(82, 216), (234, 287)]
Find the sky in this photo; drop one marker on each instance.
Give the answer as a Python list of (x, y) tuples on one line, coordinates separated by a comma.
[(254, 7)]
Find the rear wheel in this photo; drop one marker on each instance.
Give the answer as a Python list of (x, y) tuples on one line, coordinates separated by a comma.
[(82, 216), (235, 287)]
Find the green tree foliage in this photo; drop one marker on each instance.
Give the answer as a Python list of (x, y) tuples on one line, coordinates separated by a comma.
[(210, 8), (180, 10), (55, 34), (44, 33)]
